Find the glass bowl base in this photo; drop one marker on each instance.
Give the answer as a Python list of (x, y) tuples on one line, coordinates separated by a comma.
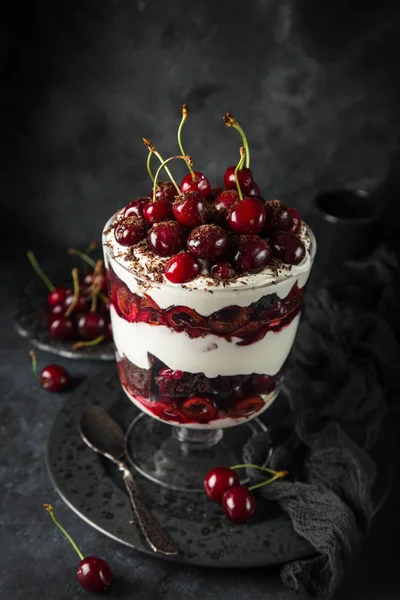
[(178, 458)]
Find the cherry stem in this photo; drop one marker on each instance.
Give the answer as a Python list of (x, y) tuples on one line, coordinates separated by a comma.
[(230, 121), (185, 114), (50, 510), (250, 466), (75, 279), (92, 246), (152, 150), (94, 342), (34, 363), (83, 256), (238, 168), (186, 158), (278, 475), (97, 283), (38, 270)]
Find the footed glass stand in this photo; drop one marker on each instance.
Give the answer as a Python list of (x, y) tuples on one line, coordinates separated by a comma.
[(178, 457)]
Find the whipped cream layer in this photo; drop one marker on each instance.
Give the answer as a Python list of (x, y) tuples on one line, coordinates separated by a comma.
[(140, 270), (211, 355), (217, 423)]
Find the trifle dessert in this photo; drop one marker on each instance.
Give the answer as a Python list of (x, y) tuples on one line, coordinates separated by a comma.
[(206, 288)]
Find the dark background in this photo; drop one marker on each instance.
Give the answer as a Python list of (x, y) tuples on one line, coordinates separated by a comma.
[(314, 84)]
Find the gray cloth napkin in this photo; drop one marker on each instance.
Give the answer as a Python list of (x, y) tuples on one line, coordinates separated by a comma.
[(343, 377)]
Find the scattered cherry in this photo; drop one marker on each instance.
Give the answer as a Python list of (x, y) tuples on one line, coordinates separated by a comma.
[(58, 295), (53, 378), (245, 179), (190, 209), (160, 210), (238, 503), (198, 184), (135, 208), (181, 268), (252, 253), (165, 190), (225, 201), (61, 328), (247, 216), (288, 248), (296, 220), (278, 217), (208, 241), (218, 481), (93, 573), (223, 270), (167, 238), (130, 231), (81, 305), (91, 325)]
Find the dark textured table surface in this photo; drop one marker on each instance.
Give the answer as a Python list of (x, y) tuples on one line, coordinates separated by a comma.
[(37, 562)]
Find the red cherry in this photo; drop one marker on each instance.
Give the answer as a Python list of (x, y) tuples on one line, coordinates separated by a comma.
[(56, 311), (190, 209), (296, 220), (87, 280), (94, 574), (247, 407), (253, 190), (91, 325), (218, 481), (262, 384), (199, 184), (288, 248), (248, 216), (208, 241), (54, 378), (130, 231), (61, 328), (58, 295), (225, 202), (181, 268), (81, 305), (239, 504), (252, 253), (165, 190), (167, 238), (245, 179), (278, 217), (200, 409), (223, 271), (160, 210), (135, 208)]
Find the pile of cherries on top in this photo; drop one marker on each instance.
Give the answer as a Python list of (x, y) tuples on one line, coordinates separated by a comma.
[(218, 232)]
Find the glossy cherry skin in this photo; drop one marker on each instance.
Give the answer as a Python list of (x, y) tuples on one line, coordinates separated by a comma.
[(252, 253), (239, 504), (278, 217), (81, 305), (181, 268), (167, 238), (94, 574), (208, 241), (91, 325), (288, 248), (245, 179), (296, 220), (247, 216), (165, 190), (218, 481), (160, 210), (190, 209), (135, 208), (225, 201), (199, 184), (58, 296), (130, 231), (61, 328), (223, 270), (54, 378), (253, 190)]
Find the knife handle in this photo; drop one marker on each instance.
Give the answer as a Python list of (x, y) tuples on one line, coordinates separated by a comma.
[(158, 539)]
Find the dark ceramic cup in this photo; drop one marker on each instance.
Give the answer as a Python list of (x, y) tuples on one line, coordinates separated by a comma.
[(344, 222)]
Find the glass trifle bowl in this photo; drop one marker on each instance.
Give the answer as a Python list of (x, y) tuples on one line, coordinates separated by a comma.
[(200, 358)]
